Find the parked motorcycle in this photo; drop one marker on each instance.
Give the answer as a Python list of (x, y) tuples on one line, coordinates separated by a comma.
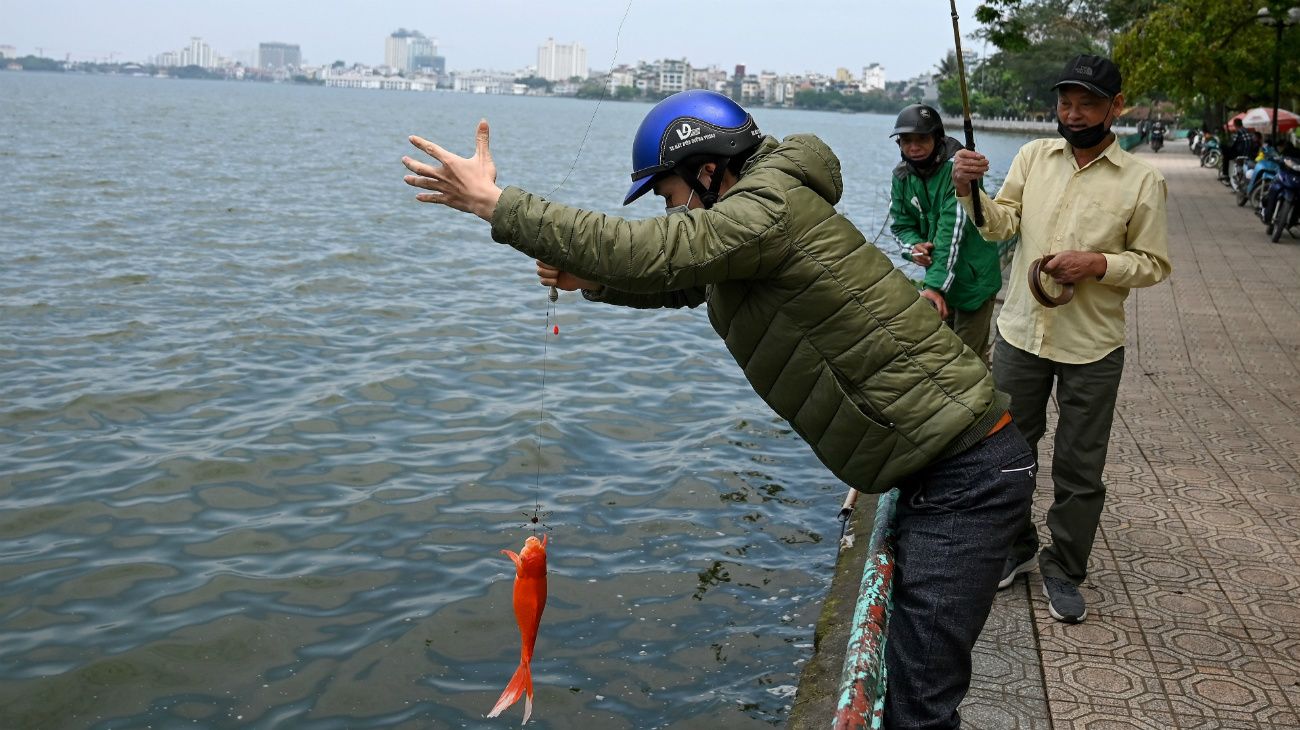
[(1261, 178), (1239, 171), (1281, 209), (1210, 154)]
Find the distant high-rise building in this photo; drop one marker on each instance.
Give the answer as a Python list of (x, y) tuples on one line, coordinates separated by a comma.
[(873, 77), (674, 76), (8, 52), (737, 79), (197, 53), (275, 56), (561, 62), (410, 51)]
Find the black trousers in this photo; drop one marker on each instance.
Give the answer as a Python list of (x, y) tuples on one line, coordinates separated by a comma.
[(1085, 396)]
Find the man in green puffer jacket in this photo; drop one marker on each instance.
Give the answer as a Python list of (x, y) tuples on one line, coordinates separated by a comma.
[(962, 269), (831, 336)]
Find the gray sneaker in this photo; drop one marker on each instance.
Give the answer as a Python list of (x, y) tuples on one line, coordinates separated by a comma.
[(1014, 567), (1064, 601)]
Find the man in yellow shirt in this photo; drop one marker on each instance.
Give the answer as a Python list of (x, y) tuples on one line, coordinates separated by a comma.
[(1100, 213)]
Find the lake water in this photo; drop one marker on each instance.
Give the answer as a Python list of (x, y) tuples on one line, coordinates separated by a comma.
[(266, 424)]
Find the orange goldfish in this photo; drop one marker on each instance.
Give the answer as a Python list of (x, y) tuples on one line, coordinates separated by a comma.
[(530, 601)]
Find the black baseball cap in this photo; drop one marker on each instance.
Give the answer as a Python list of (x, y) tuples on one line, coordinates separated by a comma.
[(1097, 74)]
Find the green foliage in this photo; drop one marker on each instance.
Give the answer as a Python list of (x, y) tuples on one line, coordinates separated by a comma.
[(833, 100), (592, 89), (535, 82), (1020, 25), (1210, 55), (950, 96), (1204, 55), (946, 74), (1122, 14), (36, 63), (1002, 27), (194, 72), (1035, 38)]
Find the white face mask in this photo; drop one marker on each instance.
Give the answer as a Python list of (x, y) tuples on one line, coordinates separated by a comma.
[(684, 208), (681, 208)]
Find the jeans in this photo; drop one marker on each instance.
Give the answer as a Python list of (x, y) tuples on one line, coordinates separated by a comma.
[(955, 521), (1085, 398)]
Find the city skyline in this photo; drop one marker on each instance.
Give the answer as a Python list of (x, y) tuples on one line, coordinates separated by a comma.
[(895, 35)]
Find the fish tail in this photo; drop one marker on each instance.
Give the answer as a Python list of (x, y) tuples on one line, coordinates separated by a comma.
[(520, 685)]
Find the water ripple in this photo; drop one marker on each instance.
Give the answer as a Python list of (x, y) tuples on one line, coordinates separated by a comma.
[(262, 442)]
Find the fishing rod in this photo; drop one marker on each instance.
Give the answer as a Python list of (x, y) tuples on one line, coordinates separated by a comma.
[(846, 517), (976, 208)]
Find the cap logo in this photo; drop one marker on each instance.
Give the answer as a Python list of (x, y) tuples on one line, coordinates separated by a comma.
[(686, 131), (925, 113), (1084, 70)]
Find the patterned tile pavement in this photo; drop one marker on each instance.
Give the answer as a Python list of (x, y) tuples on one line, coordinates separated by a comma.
[(1194, 585)]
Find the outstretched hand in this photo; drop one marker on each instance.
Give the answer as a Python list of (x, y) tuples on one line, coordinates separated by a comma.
[(460, 183)]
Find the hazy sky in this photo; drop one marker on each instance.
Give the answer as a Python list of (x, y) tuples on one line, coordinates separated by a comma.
[(786, 36)]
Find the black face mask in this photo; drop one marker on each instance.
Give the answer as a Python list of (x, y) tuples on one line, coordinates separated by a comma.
[(1086, 138)]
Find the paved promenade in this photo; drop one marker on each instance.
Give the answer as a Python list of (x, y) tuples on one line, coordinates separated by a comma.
[(1194, 592)]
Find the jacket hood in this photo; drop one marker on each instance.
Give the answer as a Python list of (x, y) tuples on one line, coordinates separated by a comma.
[(805, 158), (949, 148)]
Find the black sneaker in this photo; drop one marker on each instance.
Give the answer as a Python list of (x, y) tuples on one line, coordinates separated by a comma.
[(1064, 601), (1015, 566)]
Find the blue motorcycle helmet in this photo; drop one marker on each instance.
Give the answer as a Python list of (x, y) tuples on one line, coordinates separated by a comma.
[(689, 124)]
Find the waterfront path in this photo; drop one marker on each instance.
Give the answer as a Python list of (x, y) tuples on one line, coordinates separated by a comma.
[(1194, 585)]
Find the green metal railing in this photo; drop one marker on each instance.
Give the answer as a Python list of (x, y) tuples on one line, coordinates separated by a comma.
[(861, 700)]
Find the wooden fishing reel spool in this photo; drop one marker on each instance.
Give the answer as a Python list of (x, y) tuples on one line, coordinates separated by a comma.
[(1036, 286)]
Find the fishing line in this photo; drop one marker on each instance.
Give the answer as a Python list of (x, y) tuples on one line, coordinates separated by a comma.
[(552, 313), (883, 224), (603, 91), (551, 330)]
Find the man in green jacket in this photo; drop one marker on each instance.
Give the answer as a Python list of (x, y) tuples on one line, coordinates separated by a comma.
[(962, 269), (831, 336)]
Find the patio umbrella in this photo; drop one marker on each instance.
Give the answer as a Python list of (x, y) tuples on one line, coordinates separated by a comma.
[(1261, 119)]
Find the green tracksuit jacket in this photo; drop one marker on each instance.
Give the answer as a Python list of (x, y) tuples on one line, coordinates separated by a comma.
[(964, 268)]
